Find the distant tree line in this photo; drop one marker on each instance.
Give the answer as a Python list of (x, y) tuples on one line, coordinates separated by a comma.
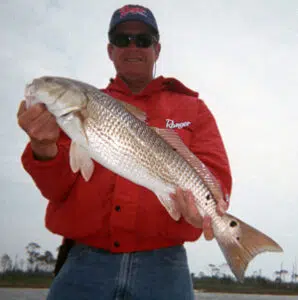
[(43, 261), (36, 270), (251, 285), (36, 261), (281, 275)]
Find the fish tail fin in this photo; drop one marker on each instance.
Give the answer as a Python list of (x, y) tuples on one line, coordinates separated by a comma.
[(242, 244)]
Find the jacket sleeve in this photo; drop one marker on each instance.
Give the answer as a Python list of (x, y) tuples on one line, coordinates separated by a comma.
[(207, 145), (54, 177)]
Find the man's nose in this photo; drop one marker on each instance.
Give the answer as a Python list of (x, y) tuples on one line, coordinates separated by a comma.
[(132, 44)]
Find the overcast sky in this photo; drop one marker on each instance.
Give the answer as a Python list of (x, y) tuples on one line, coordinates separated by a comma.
[(241, 56)]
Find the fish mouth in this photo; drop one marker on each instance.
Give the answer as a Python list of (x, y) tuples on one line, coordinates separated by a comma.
[(30, 99), (29, 89)]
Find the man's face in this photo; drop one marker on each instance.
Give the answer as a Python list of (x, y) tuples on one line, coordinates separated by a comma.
[(133, 62)]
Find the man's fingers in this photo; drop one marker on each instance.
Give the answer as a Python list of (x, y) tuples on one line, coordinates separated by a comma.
[(37, 109), (222, 207), (180, 195), (207, 228), (22, 108), (185, 202), (42, 127), (191, 205), (38, 123), (189, 196), (26, 116), (178, 199)]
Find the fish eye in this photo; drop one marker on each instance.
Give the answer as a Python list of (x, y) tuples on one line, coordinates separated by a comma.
[(64, 115), (47, 79)]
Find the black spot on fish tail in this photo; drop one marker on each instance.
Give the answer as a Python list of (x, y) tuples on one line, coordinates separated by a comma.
[(233, 223)]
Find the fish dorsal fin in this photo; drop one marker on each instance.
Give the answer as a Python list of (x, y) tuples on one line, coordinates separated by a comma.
[(174, 140), (137, 112)]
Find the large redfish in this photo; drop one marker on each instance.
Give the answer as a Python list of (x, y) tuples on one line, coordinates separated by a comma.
[(115, 134)]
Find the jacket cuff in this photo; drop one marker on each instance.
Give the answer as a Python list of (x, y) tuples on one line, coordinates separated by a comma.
[(29, 161)]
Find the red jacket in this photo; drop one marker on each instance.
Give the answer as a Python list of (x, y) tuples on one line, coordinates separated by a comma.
[(111, 212)]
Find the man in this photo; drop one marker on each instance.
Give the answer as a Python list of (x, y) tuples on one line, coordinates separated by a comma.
[(126, 246)]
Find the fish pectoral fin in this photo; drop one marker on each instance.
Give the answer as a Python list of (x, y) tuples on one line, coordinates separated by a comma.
[(138, 113), (73, 159), (168, 203), (174, 140), (243, 244), (80, 160)]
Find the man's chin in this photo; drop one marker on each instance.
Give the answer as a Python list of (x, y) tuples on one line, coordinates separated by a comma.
[(135, 75)]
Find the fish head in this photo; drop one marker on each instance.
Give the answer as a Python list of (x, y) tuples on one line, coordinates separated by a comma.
[(60, 95)]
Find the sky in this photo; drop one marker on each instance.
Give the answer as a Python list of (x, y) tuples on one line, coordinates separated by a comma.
[(241, 56)]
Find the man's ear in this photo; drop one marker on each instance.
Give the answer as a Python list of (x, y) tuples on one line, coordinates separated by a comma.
[(110, 48), (157, 48)]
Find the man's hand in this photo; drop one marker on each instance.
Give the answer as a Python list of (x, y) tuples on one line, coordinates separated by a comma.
[(42, 129), (185, 204)]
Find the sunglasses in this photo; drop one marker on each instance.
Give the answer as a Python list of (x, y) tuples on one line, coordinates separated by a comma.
[(141, 40)]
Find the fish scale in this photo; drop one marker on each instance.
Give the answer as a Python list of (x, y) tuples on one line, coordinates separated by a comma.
[(122, 142), (115, 135)]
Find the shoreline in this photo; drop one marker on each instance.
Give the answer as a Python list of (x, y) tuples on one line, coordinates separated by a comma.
[(264, 292), (203, 285), (245, 293)]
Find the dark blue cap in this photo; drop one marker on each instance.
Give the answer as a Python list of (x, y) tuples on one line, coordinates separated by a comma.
[(133, 13)]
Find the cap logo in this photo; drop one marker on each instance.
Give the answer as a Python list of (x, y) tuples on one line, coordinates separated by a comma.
[(132, 10)]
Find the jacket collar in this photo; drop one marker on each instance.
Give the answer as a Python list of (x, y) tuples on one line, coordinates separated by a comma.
[(156, 85)]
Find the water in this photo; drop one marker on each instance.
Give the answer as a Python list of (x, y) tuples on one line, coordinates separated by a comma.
[(23, 294), (205, 296), (40, 294)]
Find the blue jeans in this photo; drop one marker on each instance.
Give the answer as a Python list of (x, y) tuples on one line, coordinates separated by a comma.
[(95, 274)]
